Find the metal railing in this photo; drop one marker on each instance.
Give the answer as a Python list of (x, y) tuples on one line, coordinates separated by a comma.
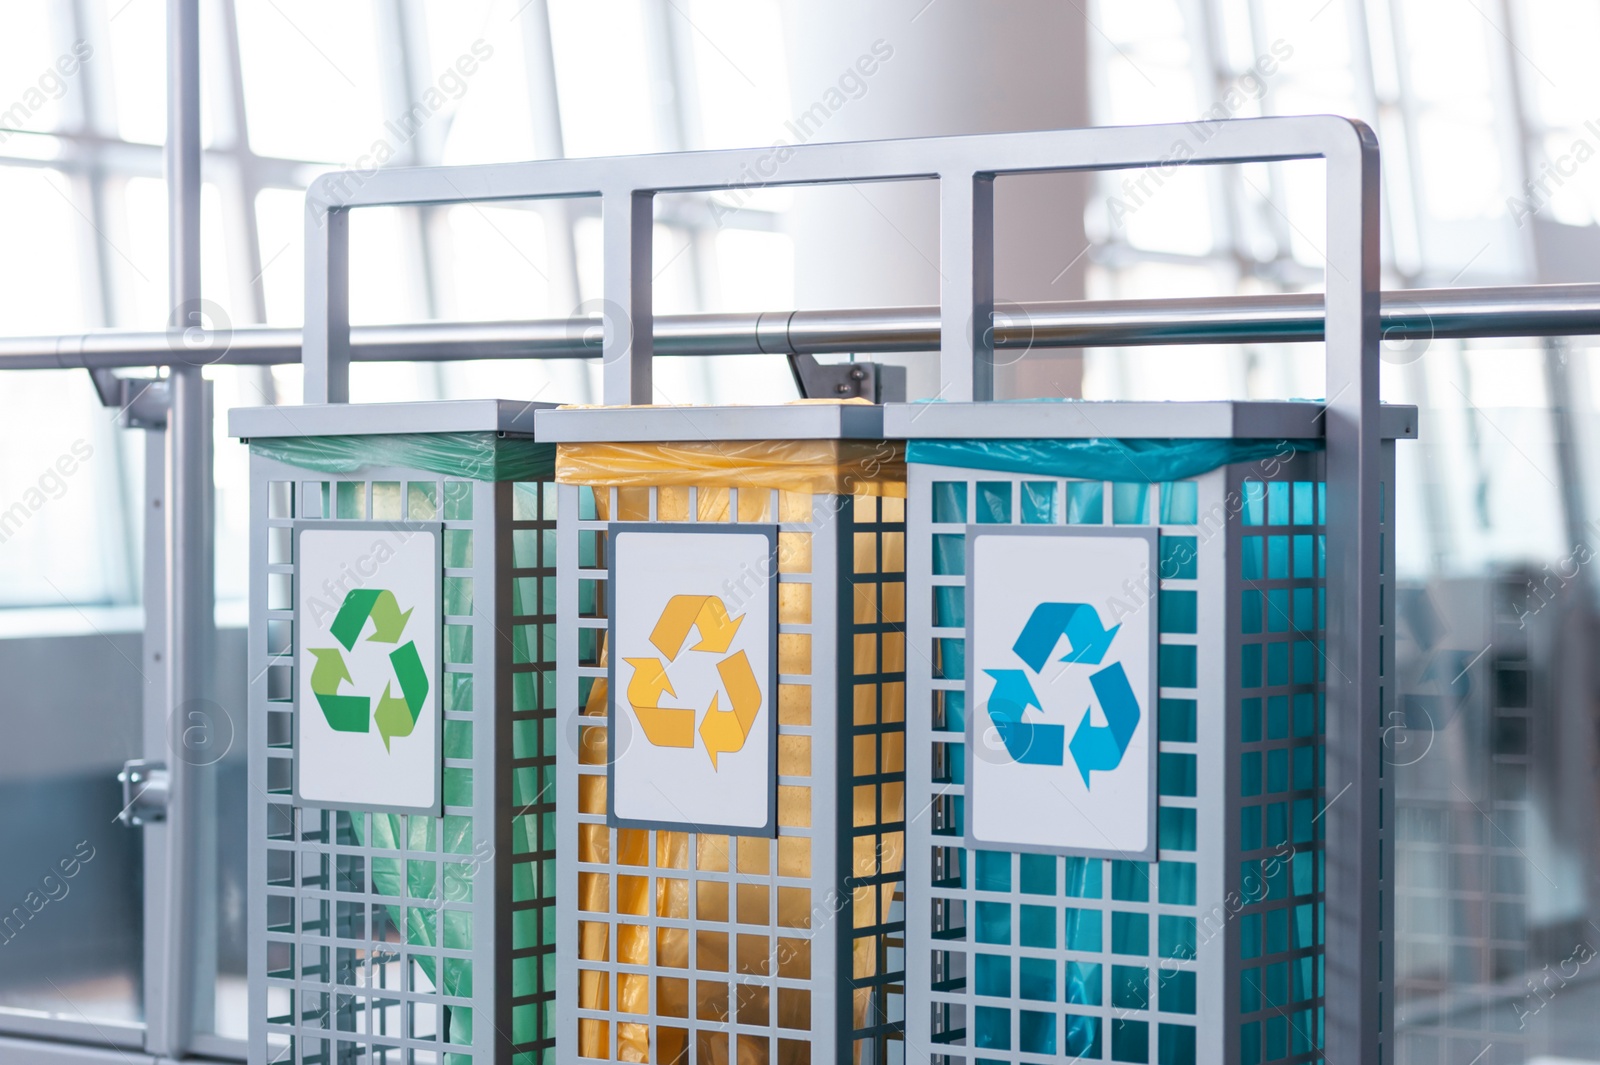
[(1406, 314)]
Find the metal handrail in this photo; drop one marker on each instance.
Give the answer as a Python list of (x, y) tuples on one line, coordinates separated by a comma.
[(1407, 314)]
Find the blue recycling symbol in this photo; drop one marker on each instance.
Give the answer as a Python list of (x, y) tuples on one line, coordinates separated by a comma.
[(1095, 748)]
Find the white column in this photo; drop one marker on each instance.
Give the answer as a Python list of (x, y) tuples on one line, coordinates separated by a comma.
[(939, 68)]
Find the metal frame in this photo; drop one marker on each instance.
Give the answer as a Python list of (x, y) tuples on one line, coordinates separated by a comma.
[(1091, 419), (822, 421), (1360, 1014), (503, 416), (189, 589), (965, 166)]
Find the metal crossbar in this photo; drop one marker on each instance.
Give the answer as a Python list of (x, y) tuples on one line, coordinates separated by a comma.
[(965, 167), (1408, 314)]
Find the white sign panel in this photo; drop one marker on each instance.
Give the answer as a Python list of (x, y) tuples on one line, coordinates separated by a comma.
[(1062, 642), (367, 619), (692, 668)]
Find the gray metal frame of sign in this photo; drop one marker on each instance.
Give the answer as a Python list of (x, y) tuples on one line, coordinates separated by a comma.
[(434, 699), (333, 969), (769, 679), (1360, 1000), (1196, 991), (814, 934), (970, 688)]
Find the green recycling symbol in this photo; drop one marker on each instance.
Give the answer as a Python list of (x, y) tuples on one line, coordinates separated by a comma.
[(395, 715)]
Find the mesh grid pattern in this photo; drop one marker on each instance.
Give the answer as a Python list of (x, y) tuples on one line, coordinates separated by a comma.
[(1037, 956), (532, 767), (1281, 553), (877, 761), (1388, 693), (379, 926), (707, 948)]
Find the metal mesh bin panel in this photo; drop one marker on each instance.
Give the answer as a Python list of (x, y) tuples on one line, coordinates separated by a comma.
[(689, 947), (1275, 862), (384, 937), (1213, 952), (527, 691)]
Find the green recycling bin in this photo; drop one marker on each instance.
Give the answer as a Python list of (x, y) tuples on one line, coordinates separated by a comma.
[(401, 757)]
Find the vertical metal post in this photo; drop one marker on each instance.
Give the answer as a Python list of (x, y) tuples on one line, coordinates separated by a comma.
[(189, 530), (156, 720), (325, 340), (627, 220), (1359, 1000), (966, 268), (1574, 510)]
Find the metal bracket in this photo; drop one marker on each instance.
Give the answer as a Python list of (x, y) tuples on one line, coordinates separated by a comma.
[(875, 382), (142, 401), (145, 790)]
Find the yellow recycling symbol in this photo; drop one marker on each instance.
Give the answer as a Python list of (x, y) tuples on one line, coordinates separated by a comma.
[(723, 730)]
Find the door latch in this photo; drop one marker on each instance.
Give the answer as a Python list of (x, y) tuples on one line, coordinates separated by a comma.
[(145, 787)]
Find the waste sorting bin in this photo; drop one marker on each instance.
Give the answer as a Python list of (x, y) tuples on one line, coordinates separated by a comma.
[(732, 685), (1116, 728), (402, 657)]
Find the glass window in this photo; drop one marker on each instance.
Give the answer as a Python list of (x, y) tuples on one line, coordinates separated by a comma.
[(329, 108)]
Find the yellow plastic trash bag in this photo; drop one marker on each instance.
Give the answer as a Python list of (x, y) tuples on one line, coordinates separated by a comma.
[(844, 467)]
